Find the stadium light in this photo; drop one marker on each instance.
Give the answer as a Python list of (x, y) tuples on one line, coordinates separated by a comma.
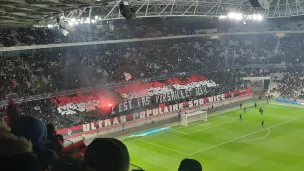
[(223, 17), (71, 23), (236, 16), (240, 16), (259, 17)]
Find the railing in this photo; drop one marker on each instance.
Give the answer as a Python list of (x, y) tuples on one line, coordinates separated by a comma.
[(69, 142), (60, 45)]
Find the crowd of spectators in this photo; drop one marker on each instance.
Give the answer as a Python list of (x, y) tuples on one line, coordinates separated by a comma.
[(86, 33), (85, 112), (28, 144), (289, 85), (52, 70), (48, 71), (151, 27), (14, 77)]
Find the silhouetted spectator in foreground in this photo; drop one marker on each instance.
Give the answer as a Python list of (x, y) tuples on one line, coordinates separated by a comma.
[(12, 113), (31, 129), (190, 165), (66, 163), (47, 159), (60, 138), (53, 139), (16, 153), (107, 154)]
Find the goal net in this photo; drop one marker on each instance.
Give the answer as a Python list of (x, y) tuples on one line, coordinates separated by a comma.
[(192, 116)]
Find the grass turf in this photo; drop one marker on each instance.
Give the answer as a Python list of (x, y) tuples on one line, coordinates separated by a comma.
[(226, 143)]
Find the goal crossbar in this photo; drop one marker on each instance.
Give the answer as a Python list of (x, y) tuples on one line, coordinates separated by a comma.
[(198, 115)]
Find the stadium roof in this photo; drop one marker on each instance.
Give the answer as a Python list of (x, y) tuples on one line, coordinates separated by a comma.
[(43, 12)]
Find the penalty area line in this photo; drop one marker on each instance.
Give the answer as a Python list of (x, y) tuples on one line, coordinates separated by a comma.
[(214, 146), (178, 131), (199, 130), (211, 127), (256, 138), (147, 142)]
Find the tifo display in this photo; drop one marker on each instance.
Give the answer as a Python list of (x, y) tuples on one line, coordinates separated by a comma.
[(151, 94)]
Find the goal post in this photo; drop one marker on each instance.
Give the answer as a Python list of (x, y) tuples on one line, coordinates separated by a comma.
[(198, 115)]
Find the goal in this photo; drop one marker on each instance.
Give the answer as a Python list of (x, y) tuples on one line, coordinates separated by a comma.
[(197, 115)]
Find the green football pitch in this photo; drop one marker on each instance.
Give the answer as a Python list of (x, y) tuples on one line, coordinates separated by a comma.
[(225, 143)]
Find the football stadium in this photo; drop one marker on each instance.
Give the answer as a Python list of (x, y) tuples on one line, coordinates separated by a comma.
[(225, 142), (151, 85)]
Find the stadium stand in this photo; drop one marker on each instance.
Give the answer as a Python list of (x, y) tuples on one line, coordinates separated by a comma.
[(48, 71), (116, 30), (63, 87), (288, 85)]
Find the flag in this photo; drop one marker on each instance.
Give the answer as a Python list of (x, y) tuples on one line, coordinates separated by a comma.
[(128, 76), (12, 113)]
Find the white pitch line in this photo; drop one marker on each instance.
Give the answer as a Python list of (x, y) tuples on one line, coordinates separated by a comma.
[(163, 147), (256, 138), (196, 123), (211, 127), (216, 115), (178, 131), (240, 137), (288, 105)]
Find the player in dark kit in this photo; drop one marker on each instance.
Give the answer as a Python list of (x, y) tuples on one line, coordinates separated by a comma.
[(262, 123), (255, 104), (241, 117), (241, 105), (261, 111), (179, 115)]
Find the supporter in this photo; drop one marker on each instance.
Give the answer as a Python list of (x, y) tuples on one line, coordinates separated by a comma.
[(48, 158), (12, 112), (66, 163), (60, 138), (33, 130), (16, 153), (35, 76), (190, 165), (53, 139), (290, 85), (107, 154), (50, 71)]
